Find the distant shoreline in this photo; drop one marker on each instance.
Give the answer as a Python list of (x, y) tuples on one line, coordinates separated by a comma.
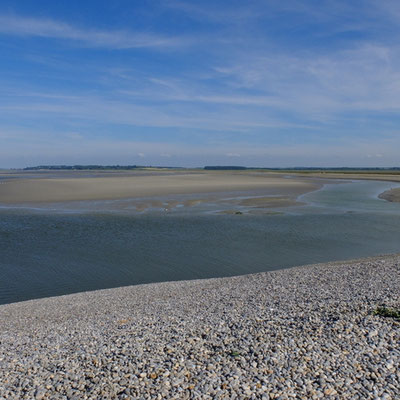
[(395, 170)]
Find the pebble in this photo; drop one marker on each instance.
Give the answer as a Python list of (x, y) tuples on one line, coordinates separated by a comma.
[(303, 333)]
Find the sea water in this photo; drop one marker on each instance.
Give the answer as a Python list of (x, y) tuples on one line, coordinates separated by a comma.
[(45, 253)]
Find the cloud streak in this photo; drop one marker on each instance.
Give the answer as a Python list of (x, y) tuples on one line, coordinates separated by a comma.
[(121, 112), (52, 29), (365, 78)]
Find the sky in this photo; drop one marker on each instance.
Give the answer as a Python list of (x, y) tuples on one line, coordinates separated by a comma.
[(262, 83)]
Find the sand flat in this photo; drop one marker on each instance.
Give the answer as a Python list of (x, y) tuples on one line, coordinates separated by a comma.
[(40, 190)]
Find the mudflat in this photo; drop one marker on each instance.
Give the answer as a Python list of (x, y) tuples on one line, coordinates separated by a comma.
[(60, 187)]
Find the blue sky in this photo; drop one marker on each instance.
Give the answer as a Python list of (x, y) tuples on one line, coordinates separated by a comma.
[(193, 83)]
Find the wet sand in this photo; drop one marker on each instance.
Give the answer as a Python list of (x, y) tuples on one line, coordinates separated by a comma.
[(391, 177), (392, 195), (209, 185)]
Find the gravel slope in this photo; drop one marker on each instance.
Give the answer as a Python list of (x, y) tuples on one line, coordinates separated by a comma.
[(304, 333)]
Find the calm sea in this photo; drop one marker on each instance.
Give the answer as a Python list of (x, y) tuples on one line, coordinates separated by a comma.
[(45, 253)]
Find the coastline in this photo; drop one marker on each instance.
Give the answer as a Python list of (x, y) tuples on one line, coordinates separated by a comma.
[(306, 331)]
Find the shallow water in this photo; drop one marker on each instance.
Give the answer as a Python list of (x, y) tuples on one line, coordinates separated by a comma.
[(356, 196), (44, 253)]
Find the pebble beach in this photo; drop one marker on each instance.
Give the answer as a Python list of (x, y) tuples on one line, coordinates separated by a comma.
[(309, 332)]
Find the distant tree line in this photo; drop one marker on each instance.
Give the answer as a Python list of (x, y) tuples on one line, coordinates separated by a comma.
[(81, 167), (210, 167), (94, 167), (338, 169), (224, 168), (217, 167)]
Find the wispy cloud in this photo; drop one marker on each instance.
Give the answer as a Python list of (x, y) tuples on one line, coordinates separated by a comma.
[(122, 112), (232, 154), (365, 77), (303, 88), (218, 12), (263, 80), (345, 15), (49, 28), (233, 99)]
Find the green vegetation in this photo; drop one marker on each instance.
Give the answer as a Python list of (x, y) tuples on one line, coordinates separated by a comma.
[(387, 312)]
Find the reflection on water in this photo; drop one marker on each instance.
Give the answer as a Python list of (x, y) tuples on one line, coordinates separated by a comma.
[(45, 254)]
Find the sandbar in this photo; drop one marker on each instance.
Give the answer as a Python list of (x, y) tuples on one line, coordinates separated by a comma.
[(31, 189), (392, 195)]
